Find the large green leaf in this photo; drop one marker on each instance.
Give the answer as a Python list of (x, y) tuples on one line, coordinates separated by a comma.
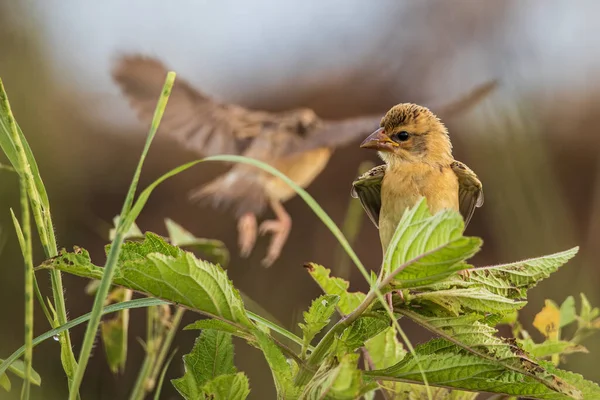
[(167, 272), (450, 366), (457, 301), (336, 286), (509, 280), (472, 335), (429, 248), (211, 357), (384, 350)]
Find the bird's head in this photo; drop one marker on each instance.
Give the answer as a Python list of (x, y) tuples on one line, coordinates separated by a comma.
[(410, 132)]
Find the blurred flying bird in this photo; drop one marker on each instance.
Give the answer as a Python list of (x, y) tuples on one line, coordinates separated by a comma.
[(416, 149), (296, 142)]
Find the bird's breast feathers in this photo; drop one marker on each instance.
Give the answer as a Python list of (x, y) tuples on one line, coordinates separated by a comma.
[(405, 183)]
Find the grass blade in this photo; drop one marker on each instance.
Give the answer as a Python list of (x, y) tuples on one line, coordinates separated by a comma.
[(24, 237), (127, 305), (123, 226), (19, 153)]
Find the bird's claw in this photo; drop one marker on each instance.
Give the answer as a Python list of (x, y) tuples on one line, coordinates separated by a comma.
[(280, 229), (246, 233)]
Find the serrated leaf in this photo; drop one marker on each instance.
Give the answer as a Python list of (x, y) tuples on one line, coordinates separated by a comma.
[(211, 356), (343, 381), (335, 286), (167, 272), (317, 317), (479, 339), (547, 321), (567, 311), (280, 368), (433, 246), (228, 387), (458, 301), (450, 366), (550, 347), (212, 248), (509, 280)]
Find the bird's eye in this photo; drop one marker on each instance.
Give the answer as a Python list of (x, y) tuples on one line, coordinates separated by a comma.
[(400, 136)]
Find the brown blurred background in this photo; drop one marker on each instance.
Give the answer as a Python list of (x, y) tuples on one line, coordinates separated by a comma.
[(534, 142)]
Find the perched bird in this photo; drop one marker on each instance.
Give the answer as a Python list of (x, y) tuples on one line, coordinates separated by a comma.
[(416, 149), (296, 142)]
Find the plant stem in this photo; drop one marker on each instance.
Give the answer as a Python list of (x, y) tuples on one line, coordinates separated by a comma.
[(43, 220), (113, 255), (24, 235), (166, 345)]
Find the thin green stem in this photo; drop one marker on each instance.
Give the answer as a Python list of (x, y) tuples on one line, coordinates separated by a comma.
[(166, 345), (162, 375), (41, 212), (24, 236), (127, 305), (29, 276), (113, 255)]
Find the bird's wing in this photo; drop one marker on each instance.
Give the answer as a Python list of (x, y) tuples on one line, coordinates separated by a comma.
[(333, 134), (367, 188), (340, 133), (470, 190), (192, 118)]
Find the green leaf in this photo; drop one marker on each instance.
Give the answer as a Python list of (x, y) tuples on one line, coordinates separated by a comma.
[(212, 248), (510, 280), (280, 368), (317, 317), (450, 366), (587, 313), (18, 368), (114, 332), (361, 330), (211, 356), (458, 301), (340, 382), (335, 286), (479, 339), (567, 311), (228, 387), (385, 349), (5, 382), (550, 347), (165, 271), (429, 247)]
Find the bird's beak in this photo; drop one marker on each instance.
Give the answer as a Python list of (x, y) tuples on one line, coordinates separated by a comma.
[(378, 140)]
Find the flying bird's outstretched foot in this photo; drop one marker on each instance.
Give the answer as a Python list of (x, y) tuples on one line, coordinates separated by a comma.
[(280, 228), (246, 233)]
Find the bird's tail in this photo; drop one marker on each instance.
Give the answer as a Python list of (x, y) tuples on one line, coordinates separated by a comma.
[(241, 192)]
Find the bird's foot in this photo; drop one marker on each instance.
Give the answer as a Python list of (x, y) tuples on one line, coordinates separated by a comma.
[(246, 233), (280, 229)]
